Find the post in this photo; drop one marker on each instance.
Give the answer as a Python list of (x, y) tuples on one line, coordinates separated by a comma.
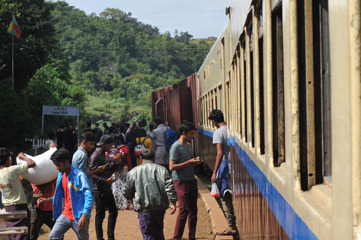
[(42, 122), (12, 60)]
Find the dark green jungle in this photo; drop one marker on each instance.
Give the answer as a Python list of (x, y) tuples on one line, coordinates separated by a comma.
[(105, 64)]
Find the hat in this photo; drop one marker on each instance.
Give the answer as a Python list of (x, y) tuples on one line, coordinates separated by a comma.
[(105, 139)]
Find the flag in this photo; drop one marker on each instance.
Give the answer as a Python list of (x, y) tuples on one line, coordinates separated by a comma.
[(14, 28)]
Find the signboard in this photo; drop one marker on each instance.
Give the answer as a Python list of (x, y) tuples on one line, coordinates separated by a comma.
[(59, 111)]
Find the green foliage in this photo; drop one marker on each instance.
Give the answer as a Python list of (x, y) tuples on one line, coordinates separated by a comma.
[(15, 121), (50, 86), (115, 53), (36, 43)]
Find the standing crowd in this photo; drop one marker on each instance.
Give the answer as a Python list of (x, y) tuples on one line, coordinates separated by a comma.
[(121, 167)]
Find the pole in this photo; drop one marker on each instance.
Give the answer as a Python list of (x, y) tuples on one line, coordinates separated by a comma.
[(12, 67)]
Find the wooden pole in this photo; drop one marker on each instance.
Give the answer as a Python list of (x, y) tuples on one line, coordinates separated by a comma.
[(12, 65)]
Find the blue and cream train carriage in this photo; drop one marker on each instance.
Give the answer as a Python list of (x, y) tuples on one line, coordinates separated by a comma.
[(287, 75)]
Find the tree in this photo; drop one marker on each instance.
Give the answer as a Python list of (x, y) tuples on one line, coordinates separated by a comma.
[(36, 43), (16, 122)]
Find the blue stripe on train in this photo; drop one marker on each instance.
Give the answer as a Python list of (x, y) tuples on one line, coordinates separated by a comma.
[(293, 225)]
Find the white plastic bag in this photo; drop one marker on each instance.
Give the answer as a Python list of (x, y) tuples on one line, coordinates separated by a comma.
[(215, 191)]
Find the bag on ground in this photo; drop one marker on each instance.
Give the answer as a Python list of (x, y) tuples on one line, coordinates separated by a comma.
[(215, 191), (139, 148)]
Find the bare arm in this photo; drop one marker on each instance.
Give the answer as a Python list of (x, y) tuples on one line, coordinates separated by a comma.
[(29, 161), (191, 162), (218, 161)]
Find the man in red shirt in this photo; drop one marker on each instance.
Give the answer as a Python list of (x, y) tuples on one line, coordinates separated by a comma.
[(42, 213)]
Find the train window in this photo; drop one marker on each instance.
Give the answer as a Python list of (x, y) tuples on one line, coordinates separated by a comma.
[(242, 70), (278, 88), (251, 83), (324, 87), (259, 15), (220, 96), (238, 76), (228, 101), (245, 100), (314, 92), (215, 99)]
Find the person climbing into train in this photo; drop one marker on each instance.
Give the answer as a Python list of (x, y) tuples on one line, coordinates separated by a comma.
[(13, 196), (182, 162), (221, 174)]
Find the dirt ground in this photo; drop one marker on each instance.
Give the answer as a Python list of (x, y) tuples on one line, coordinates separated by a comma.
[(128, 226)]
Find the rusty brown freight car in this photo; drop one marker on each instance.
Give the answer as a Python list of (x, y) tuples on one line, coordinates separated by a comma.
[(177, 103)]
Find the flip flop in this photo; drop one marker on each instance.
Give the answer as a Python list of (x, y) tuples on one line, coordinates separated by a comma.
[(227, 231)]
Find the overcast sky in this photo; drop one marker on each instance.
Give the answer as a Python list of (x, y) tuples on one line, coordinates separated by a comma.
[(200, 18)]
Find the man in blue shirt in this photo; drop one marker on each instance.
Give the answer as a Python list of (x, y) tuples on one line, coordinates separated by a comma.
[(72, 201), (81, 156)]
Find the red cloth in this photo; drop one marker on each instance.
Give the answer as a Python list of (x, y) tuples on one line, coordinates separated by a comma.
[(126, 157), (46, 191), (67, 211)]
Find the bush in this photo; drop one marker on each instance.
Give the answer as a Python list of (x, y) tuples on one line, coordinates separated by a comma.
[(15, 120)]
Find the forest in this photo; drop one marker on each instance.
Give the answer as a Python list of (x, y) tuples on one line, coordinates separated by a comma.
[(106, 64)]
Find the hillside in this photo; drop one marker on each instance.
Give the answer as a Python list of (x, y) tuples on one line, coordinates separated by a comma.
[(119, 60)]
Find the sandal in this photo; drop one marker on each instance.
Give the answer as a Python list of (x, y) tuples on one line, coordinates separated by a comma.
[(227, 231)]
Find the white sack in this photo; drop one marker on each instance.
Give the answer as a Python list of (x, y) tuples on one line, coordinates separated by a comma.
[(44, 171)]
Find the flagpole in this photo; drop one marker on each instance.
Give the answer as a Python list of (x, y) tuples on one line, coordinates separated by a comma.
[(12, 67)]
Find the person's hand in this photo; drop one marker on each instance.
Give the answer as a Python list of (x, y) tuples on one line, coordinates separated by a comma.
[(194, 161), (83, 221), (53, 145), (110, 180), (101, 168), (173, 208), (43, 200), (22, 156), (213, 178)]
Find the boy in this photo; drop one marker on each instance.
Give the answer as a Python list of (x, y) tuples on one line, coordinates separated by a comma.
[(221, 171), (72, 201), (13, 196), (182, 164)]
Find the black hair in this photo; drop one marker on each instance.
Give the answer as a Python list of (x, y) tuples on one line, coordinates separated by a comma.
[(158, 120), (186, 127), (147, 154), (4, 156), (142, 123), (51, 135), (61, 155), (88, 137), (88, 124), (152, 126), (97, 124), (216, 115), (141, 132)]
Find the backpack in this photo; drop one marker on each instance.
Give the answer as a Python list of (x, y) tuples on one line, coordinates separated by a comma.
[(171, 137), (139, 148)]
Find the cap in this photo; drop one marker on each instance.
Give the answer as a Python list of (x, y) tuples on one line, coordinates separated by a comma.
[(105, 139)]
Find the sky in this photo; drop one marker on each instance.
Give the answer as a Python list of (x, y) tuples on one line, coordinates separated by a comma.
[(200, 18)]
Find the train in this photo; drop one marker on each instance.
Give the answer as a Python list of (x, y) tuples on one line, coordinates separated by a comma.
[(287, 76)]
